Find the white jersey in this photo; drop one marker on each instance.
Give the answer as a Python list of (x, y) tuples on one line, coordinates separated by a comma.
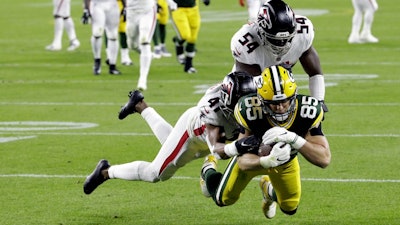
[(211, 113), (140, 5), (246, 46)]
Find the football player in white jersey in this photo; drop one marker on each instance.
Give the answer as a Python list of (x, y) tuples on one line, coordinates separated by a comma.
[(105, 17), (364, 11), (199, 129), (278, 37), (63, 20)]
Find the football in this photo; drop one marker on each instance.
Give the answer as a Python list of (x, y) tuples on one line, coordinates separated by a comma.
[(264, 150)]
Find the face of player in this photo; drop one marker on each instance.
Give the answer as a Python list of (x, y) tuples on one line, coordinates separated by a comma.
[(280, 107)]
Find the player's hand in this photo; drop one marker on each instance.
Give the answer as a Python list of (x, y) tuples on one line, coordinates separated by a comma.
[(123, 14), (280, 134), (206, 2), (86, 16), (241, 3), (248, 144), (172, 5), (279, 155)]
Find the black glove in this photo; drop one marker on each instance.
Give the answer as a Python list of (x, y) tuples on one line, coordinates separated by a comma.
[(249, 144), (86, 16), (123, 14), (206, 2), (324, 107)]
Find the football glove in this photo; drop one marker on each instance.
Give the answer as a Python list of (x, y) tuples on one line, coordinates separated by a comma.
[(206, 2), (249, 144), (280, 134), (86, 16), (172, 5), (279, 155)]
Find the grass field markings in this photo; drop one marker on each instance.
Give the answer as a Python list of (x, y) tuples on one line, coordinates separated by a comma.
[(335, 180), (9, 139), (43, 125), (151, 134)]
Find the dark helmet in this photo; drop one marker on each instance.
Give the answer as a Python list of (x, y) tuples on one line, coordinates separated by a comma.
[(233, 87), (276, 26)]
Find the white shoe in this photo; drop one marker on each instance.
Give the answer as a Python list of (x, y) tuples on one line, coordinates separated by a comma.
[(74, 45), (191, 70), (127, 62), (53, 48), (157, 54), (354, 39), (268, 204), (210, 162), (164, 52), (369, 38), (181, 59)]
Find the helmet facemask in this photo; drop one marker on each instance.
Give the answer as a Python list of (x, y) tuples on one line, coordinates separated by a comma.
[(279, 117)]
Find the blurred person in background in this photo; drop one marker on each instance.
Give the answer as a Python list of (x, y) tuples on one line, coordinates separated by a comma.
[(63, 20), (364, 11)]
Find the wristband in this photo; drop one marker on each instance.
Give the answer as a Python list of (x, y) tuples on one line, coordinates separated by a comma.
[(298, 142), (230, 149)]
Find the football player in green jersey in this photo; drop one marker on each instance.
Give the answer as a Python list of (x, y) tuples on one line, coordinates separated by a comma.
[(288, 122)]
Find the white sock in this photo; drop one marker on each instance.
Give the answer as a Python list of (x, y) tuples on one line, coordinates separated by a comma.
[(112, 48), (70, 28), (137, 170), (145, 62), (58, 31)]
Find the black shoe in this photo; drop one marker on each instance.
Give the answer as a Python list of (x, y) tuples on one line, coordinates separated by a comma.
[(114, 71), (129, 108), (95, 178), (97, 67)]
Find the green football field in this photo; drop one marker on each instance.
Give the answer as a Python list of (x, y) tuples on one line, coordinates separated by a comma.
[(57, 121)]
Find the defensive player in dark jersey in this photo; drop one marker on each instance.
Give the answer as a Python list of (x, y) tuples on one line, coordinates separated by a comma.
[(277, 116)]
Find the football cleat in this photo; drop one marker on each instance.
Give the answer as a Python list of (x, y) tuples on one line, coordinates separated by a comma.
[(369, 38), (157, 54), (129, 108), (97, 67), (191, 70), (210, 162), (53, 48), (164, 52), (181, 59), (74, 45), (127, 62), (268, 205), (96, 177), (113, 70)]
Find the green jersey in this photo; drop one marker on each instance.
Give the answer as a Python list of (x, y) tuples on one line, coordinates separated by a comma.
[(307, 114)]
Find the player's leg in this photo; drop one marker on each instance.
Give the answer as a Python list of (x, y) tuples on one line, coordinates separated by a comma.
[(111, 28), (58, 27), (156, 42), (356, 22), (225, 188), (369, 11), (98, 24), (125, 58), (160, 127), (286, 184), (70, 26), (146, 31), (180, 24), (190, 50), (163, 17)]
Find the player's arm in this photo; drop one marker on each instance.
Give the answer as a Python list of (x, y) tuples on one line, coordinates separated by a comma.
[(316, 150), (312, 66), (213, 137), (254, 69)]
